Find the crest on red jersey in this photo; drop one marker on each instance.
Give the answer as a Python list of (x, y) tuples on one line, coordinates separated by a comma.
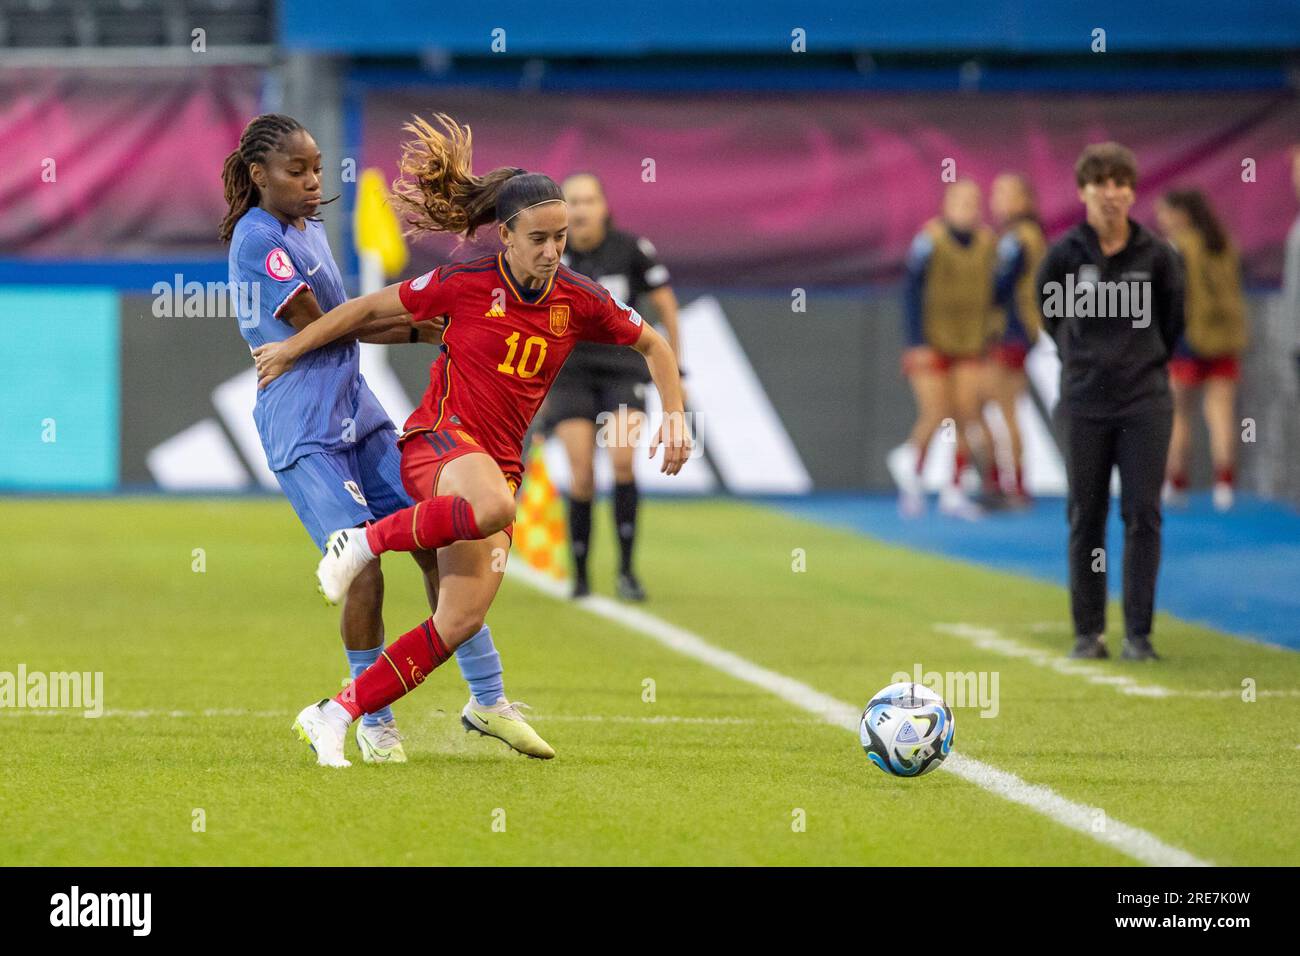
[(559, 319)]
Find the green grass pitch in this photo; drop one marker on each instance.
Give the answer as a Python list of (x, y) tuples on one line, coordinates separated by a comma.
[(713, 771)]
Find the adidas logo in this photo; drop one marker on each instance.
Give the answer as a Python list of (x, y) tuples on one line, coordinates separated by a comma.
[(496, 312)]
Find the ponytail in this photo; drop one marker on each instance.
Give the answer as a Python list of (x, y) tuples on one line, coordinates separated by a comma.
[(437, 190)]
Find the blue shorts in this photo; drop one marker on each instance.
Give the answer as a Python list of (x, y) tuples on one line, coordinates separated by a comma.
[(344, 489)]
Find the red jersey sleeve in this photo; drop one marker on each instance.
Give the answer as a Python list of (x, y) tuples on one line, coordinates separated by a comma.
[(611, 322), (426, 296)]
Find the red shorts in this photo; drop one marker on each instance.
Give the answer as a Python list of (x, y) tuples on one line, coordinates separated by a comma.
[(1010, 354), (425, 454), (1185, 370), (940, 363)]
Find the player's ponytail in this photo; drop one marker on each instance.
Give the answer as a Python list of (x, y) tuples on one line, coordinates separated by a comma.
[(263, 135), (437, 190)]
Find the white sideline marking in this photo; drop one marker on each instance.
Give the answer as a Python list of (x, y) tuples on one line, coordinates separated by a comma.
[(1131, 841), (662, 719), (988, 639), (549, 718), (142, 714)]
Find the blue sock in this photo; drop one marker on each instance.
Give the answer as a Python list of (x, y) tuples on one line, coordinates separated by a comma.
[(480, 665), (358, 661)]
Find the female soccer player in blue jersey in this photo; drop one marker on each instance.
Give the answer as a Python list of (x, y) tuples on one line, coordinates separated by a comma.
[(326, 437)]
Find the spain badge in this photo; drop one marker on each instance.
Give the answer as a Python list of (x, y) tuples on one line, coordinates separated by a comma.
[(559, 319)]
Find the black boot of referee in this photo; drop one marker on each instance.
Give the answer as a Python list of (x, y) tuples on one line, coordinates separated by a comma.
[(629, 588)]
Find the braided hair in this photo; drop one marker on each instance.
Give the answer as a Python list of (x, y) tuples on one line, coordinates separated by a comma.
[(263, 135)]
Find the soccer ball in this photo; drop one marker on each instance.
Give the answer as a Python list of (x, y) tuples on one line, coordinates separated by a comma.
[(906, 730)]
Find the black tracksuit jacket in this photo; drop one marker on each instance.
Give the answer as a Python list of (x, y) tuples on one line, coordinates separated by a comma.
[(1109, 368)]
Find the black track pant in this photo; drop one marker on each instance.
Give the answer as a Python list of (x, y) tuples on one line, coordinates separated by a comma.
[(1138, 445)]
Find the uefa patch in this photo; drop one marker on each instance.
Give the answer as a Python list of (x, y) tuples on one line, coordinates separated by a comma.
[(278, 265), (559, 319), (633, 315), (421, 282)]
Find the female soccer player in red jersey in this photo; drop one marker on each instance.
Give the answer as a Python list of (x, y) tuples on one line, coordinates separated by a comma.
[(512, 319), (328, 440)]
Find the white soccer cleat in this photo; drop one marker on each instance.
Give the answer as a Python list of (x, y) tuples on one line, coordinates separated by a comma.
[(322, 735), (955, 503), (381, 743), (1223, 496), (346, 554), (901, 463)]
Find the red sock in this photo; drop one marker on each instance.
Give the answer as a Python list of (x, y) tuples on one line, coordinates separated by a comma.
[(426, 525), (1224, 475), (1179, 481), (402, 666), (1020, 481), (958, 463), (995, 475)]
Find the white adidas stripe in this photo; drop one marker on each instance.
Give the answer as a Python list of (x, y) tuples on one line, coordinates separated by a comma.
[(1131, 841)]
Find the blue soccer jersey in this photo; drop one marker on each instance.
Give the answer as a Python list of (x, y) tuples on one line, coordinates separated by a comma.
[(322, 404)]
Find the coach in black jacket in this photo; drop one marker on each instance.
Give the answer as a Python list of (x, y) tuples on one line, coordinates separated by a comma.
[(1112, 299)]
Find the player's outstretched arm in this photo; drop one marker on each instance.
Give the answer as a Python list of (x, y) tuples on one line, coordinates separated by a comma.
[(276, 358), (672, 432), (397, 331), (303, 309)]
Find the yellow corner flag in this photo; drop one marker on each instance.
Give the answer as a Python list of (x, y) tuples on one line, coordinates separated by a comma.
[(540, 534), (376, 231)]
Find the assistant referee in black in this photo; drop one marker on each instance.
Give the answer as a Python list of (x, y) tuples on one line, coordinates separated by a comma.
[(1111, 294), (606, 380)]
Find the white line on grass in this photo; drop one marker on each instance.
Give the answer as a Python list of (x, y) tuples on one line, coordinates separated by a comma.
[(143, 714), (550, 718), (988, 639), (1131, 841)]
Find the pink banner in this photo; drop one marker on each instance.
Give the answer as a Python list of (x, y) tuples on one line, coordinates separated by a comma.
[(121, 162), (813, 189)]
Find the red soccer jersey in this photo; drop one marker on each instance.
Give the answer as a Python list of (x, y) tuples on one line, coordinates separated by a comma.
[(500, 351)]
